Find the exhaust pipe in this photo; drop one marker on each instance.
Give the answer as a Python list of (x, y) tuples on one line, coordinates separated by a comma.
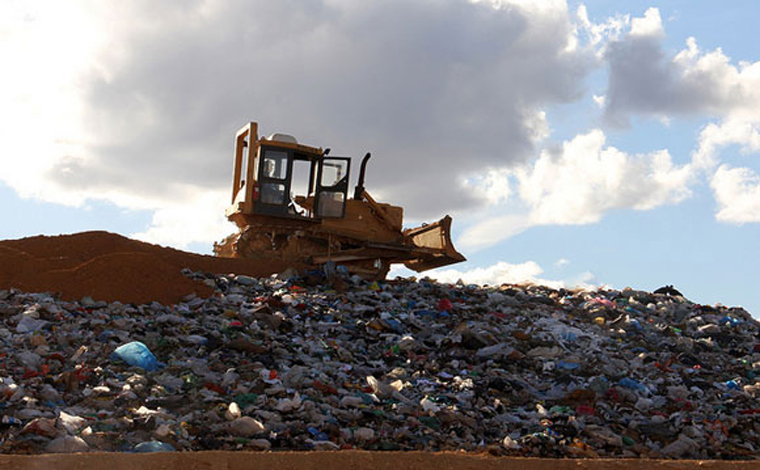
[(360, 184)]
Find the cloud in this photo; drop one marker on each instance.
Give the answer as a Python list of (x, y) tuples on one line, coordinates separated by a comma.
[(737, 191), (506, 273), (492, 230), (493, 186), (598, 34), (196, 218), (580, 182), (644, 80), (43, 48), (586, 178), (136, 104), (140, 98), (648, 26), (733, 131)]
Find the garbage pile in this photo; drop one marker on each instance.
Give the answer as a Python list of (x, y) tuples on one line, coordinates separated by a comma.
[(341, 363)]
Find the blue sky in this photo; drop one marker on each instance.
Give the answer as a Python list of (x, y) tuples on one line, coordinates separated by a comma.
[(594, 143)]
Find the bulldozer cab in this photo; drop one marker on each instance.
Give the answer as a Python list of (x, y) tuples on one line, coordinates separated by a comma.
[(271, 174)]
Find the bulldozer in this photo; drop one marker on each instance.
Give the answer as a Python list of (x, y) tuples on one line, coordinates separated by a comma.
[(291, 205)]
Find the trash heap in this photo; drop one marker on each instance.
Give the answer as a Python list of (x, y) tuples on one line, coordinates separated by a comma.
[(305, 363)]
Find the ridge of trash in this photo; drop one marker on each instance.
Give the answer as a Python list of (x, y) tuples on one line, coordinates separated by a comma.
[(302, 363)]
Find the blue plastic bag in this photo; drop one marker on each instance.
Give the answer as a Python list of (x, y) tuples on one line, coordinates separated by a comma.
[(138, 355), (632, 384)]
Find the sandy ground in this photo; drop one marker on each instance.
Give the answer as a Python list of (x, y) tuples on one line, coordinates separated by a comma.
[(353, 460), (107, 266)]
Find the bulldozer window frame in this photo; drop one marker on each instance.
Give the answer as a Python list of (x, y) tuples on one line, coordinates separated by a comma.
[(273, 180), (275, 177), (327, 198)]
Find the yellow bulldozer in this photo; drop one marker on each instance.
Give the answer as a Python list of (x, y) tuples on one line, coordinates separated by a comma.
[(322, 224)]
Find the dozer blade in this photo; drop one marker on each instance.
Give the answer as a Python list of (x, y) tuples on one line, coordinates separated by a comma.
[(431, 246)]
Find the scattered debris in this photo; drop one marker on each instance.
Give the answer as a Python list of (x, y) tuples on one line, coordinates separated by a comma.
[(287, 364)]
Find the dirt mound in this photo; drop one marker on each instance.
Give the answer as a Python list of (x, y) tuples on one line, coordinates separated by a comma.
[(110, 267)]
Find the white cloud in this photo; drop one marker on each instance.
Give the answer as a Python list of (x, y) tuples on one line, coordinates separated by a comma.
[(737, 191), (493, 187), (537, 125), (492, 230), (650, 25), (195, 219), (644, 80), (42, 48), (578, 183), (528, 272), (715, 137), (499, 273), (584, 280), (599, 33), (562, 262), (587, 178)]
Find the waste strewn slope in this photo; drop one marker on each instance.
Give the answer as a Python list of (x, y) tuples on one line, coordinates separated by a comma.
[(315, 363)]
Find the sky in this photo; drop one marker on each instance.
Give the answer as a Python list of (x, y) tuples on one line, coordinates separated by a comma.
[(591, 143)]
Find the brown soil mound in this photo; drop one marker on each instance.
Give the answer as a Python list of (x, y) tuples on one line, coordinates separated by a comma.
[(110, 267)]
